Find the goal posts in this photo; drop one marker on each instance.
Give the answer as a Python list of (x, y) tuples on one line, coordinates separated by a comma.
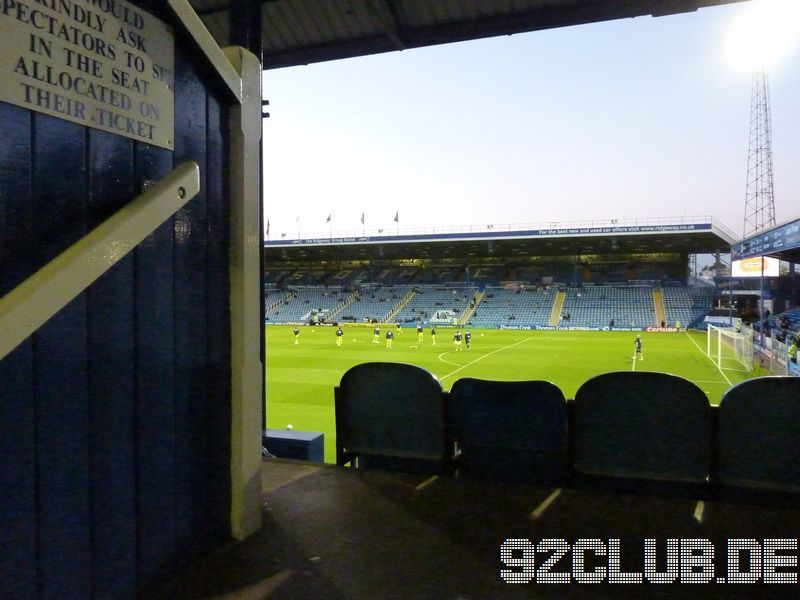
[(730, 349)]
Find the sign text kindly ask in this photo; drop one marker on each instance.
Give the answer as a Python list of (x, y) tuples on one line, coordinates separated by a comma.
[(101, 63)]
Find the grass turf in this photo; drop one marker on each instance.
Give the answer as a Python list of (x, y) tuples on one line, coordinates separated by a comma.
[(301, 377)]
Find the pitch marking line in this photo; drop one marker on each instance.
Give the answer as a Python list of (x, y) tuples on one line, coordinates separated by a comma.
[(426, 483), (633, 366), (545, 504), (704, 354), (480, 358), (447, 361)]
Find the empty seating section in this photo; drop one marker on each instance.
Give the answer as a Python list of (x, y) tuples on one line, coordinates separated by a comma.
[(588, 306), (391, 415), (373, 304), (273, 297), (306, 300), (527, 307), (759, 435), (596, 306), (428, 300), (687, 305), (641, 425), (627, 426), (510, 430)]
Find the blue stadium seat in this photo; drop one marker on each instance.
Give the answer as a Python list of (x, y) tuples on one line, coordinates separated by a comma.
[(646, 426), (513, 431), (391, 416), (759, 435)]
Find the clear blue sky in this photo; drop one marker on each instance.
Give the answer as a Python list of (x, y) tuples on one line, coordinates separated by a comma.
[(635, 118)]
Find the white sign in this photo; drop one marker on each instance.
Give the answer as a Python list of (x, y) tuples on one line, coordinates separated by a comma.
[(105, 64)]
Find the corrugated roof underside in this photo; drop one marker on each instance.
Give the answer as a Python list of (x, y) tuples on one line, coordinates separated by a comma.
[(304, 31)]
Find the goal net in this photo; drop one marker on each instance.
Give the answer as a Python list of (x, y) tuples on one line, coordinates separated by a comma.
[(730, 349)]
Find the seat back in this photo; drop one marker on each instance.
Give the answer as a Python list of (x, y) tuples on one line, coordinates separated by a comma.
[(759, 435), (510, 430), (641, 425), (390, 410)]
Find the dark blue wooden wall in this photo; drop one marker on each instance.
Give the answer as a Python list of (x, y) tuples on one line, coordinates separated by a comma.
[(115, 415)]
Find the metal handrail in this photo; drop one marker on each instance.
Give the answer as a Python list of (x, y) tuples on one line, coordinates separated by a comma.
[(33, 302)]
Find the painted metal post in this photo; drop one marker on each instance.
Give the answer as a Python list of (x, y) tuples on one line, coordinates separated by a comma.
[(245, 278)]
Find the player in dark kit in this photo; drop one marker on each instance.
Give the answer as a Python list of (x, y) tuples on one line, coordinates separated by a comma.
[(637, 345), (433, 335), (457, 341), (296, 335), (467, 338), (389, 339), (339, 334)]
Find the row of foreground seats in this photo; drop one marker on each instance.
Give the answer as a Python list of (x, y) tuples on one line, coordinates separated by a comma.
[(622, 426)]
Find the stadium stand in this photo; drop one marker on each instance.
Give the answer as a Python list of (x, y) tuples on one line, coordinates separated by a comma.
[(596, 306), (758, 436), (785, 325), (687, 305), (528, 307), (303, 302), (646, 426), (373, 304), (428, 300), (391, 416), (513, 431)]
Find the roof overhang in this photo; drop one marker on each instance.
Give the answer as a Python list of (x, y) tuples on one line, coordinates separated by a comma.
[(299, 32), (606, 240), (781, 241)]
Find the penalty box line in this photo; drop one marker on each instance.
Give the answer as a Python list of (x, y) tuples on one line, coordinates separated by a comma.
[(708, 357)]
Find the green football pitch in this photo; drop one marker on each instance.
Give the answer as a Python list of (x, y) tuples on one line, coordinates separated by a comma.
[(301, 377)]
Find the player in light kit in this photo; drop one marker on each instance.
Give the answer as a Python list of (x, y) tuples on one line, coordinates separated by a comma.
[(376, 335), (420, 336), (339, 335), (399, 329), (296, 332), (389, 338)]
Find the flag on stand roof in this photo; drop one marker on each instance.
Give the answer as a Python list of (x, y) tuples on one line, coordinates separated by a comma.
[(362, 218), (329, 218), (397, 217)]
